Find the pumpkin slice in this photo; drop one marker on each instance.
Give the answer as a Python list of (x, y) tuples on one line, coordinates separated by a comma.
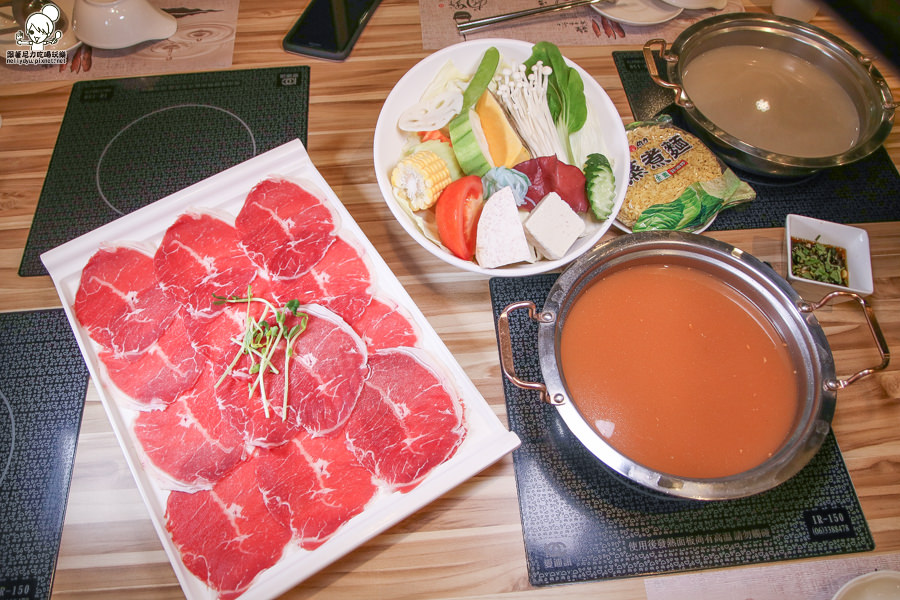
[(503, 142)]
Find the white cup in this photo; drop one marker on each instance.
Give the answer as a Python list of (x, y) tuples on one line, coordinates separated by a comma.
[(801, 10)]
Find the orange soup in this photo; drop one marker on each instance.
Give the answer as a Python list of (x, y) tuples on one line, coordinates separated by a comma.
[(678, 371)]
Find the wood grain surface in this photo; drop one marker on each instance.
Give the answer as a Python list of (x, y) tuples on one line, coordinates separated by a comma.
[(468, 543)]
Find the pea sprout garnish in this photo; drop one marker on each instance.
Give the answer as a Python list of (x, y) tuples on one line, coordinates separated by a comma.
[(259, 341)]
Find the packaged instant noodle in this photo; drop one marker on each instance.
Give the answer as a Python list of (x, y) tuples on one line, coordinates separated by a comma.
[(676, 182)]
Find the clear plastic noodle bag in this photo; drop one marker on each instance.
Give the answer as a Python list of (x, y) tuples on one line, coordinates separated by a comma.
[(676, 182)]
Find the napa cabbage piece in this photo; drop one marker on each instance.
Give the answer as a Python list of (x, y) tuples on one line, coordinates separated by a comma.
[(425, 221), (448, 77), (441, 100), (587, 140)]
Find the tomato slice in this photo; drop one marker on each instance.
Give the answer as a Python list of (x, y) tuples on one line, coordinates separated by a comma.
[(456, 212)]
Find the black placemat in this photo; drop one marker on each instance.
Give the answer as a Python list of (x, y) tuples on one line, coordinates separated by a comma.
[(863, 192), (43, 381), (126, 143), (581, 521)]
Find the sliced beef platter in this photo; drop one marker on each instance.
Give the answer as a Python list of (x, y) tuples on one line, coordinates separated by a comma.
[(356, 409)]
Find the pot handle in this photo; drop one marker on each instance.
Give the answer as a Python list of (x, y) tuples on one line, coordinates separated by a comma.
[(681, 98), (888, 104), (507, 363), (874, 329)]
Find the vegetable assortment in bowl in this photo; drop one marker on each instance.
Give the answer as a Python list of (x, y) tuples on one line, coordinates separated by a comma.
[(501, 157)]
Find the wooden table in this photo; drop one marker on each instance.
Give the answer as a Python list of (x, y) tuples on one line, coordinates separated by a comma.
[(469, 542)]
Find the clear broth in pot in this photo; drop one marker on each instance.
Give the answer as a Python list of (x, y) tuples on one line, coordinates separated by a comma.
[(678, 371), (772, 100)]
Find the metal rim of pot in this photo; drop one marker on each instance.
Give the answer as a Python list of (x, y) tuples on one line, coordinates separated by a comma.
[(792, 317), (880, 104)]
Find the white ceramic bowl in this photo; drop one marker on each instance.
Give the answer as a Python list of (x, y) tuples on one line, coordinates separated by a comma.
[(390, 141), (878, 585), (852, 239)]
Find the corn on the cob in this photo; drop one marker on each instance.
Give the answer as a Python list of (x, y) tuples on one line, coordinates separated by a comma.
[(420, 178)]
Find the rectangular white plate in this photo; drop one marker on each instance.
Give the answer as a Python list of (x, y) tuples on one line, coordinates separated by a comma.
[(487, 440)]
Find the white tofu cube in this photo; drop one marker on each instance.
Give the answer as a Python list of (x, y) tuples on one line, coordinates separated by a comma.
[(552, 227), (500, 238)]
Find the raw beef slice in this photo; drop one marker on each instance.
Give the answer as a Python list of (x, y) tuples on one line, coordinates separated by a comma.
[(285, 228), (212, 334), (189, 441), (325, 376), (155, 377), (120, 302), (248, 414), (313, 485), (384, 325), (341, 282), (226, 535), (199, 256), (327, 372), (406, 422)]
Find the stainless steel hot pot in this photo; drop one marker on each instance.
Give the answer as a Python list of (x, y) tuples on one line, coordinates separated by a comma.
[(841, 62), (791, 316)]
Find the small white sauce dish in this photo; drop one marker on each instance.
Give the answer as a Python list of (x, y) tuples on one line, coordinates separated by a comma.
[(114, 24), (852, 239), (877, 585)]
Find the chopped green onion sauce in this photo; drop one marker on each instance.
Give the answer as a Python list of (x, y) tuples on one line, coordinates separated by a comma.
[(819, 262)]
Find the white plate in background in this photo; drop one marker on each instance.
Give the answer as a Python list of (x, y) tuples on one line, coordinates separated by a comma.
[(639, 12), (699, 4)]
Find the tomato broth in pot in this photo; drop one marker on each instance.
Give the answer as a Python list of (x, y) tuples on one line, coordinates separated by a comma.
[(686, 365), (678, 370)]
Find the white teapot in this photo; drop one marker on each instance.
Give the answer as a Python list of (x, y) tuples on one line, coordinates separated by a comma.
[(113, 24)]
